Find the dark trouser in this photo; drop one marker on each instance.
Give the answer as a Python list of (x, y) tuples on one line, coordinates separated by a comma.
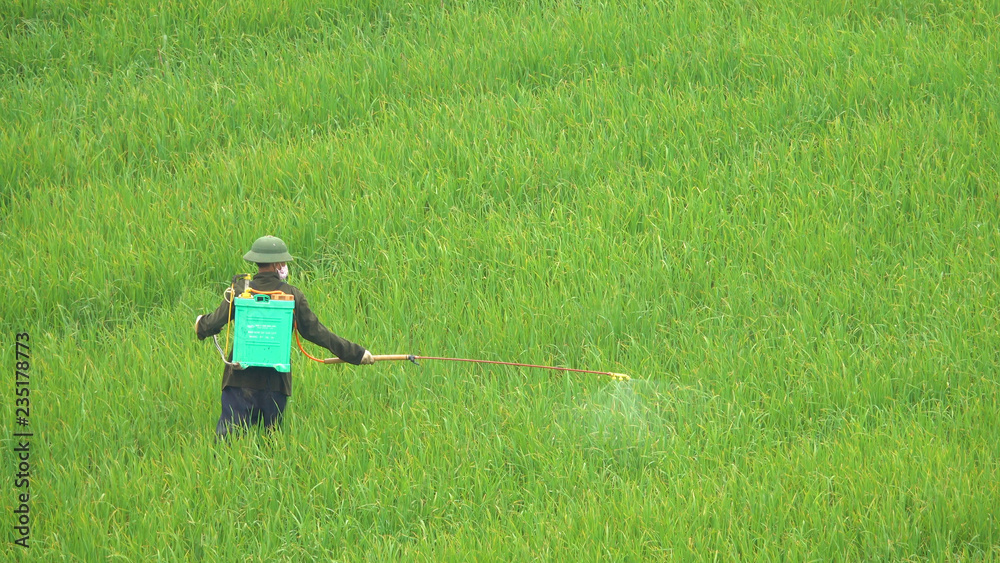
[(248, 407)]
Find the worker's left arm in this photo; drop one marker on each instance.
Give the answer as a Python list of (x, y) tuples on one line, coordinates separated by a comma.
[(313, 330)]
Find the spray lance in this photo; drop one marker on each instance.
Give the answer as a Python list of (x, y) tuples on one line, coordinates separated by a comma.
[(414, 359)]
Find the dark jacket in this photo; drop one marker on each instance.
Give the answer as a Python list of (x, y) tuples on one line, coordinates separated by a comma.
[(262, 378)]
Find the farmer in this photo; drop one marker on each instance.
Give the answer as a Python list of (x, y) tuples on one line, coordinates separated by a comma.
[(258, 394)]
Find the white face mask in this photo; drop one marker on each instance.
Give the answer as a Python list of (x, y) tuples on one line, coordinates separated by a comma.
[(283, 272)]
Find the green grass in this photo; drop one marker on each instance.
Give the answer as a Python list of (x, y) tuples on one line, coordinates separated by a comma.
[(780, 220)]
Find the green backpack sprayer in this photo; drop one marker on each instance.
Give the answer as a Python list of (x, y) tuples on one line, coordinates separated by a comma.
[(263, 323)]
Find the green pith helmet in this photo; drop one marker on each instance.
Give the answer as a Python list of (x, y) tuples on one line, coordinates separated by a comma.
[(268, 250)]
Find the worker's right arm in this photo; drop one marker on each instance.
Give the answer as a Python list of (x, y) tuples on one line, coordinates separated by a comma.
[(211, 324)]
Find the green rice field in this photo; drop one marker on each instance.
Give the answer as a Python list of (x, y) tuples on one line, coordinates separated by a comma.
[(781, 219)]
